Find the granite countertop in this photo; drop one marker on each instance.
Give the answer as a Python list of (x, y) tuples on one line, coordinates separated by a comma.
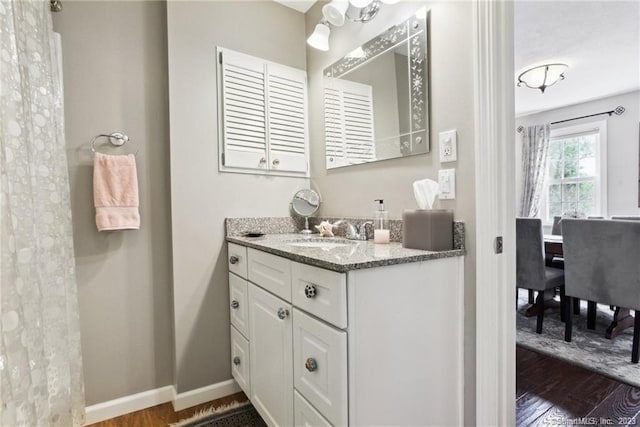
[(345, 256)]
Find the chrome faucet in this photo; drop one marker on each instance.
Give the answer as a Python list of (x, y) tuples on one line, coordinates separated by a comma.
[(354, 232)]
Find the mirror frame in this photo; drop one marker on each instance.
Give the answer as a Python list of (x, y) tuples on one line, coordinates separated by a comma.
[(414, 32)]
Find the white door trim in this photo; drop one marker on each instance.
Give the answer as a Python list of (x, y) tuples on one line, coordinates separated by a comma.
[(495, 212)]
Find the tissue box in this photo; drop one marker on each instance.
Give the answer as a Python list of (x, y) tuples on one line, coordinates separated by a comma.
[(429, 230)]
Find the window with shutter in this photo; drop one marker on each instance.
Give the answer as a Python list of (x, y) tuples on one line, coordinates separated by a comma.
[(263, 116), (349, 123)]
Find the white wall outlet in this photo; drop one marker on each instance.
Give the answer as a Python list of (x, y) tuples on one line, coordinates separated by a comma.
[(447, 184), (448, 143)]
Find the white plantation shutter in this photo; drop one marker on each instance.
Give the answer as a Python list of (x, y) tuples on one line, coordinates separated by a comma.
[(287, 118), (349, 123), (243, 110), (264, 114)]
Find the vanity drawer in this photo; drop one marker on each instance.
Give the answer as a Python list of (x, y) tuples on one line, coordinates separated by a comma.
[(321, 292), (237, 259), (239, 304), (270, 272), (240, 361), (305, 414), (320, 366)]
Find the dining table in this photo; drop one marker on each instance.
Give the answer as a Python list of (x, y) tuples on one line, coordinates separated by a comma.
[(622, 318)]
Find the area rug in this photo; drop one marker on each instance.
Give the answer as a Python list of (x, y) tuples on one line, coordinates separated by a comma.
[(588, 348), (236, 414)]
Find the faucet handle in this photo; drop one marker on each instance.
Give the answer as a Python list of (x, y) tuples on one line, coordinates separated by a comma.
[(361, 229)]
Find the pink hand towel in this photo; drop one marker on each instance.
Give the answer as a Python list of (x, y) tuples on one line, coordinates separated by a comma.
[(115, 192)]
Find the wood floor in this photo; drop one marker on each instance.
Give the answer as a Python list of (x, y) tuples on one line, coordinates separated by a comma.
[(550, 392), (162, 415)]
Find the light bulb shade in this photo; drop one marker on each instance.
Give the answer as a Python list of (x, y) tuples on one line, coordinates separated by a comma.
[(319, 39), (334, 12), (543, 76), (360, 3)]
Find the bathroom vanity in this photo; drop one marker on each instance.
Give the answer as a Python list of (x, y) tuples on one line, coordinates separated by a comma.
[(333, 332)]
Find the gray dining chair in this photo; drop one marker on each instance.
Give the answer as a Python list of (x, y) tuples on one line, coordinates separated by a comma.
[(531, 271), (602, 265)]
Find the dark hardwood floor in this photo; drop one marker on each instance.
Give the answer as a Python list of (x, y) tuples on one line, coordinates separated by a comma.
[(550, 392), (162, 415)]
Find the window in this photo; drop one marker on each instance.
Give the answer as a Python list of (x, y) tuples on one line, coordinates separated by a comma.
[(576, 172)]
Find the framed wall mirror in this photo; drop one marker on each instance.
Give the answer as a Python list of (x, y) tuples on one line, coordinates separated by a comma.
[(376, 98)]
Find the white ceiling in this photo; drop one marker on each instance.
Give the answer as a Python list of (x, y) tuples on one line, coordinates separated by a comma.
[(599, 40), (299, 5)]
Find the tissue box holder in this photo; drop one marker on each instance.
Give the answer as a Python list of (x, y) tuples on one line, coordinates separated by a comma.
[(429, 230)]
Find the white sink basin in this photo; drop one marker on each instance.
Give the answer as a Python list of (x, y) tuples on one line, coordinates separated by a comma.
[(317, 244)]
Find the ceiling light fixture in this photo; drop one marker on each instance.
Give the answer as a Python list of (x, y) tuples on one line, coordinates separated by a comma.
[(542, 76), (337, 12)]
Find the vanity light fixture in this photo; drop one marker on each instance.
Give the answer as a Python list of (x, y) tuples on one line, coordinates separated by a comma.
[(542, 76), (336, 13), (319, 39)]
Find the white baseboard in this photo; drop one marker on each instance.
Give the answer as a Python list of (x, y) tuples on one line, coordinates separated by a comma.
[(136, 402), (124, 405), (204, 394)]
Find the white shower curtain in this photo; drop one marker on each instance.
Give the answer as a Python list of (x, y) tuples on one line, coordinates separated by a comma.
[(40, 361)]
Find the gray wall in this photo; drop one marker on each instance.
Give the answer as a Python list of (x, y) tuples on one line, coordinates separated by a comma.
[(115, 78), (350, 191), (622, 146), (201, 196)]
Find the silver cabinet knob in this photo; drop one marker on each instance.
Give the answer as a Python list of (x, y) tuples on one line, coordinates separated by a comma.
[(235, 304), (275, 163), (282, 313), (234, 259), (311, 364), (263, 161), (310, 291), (236, 360)]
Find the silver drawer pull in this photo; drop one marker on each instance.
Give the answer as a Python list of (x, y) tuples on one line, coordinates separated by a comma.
[(236, 360), (234, 259), (311, 364), (275, 163), (310, 291), (235, 304), (282, 313)]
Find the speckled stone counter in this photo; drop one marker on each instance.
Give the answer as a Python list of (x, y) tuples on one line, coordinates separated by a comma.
[(344, 256)]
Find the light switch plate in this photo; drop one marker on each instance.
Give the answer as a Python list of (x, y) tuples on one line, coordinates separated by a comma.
[(448, 143), (447, 184)]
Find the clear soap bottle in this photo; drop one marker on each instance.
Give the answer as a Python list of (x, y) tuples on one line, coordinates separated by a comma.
[(381, 224)]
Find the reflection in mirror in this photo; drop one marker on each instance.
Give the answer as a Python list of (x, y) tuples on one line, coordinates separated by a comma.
[(376, 98), (305, 203)]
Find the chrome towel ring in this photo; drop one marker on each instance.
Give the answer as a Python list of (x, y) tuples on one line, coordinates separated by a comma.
[(115, 138)]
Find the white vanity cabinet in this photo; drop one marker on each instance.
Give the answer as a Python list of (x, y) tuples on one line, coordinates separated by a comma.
[(370, 346)]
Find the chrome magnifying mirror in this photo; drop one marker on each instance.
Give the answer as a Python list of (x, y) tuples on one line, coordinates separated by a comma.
[(305, 203)]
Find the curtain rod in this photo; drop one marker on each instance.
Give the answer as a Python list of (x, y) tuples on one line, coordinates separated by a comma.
[(56, 5), (617, 111)]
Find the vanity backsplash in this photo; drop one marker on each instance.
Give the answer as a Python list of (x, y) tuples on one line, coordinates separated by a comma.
[(281, 225)]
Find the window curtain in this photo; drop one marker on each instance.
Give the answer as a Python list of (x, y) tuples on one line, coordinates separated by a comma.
[(40, 360), (535, 146)]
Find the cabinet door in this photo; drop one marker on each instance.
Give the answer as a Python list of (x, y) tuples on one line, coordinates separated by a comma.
[(238, 303), (271, 349)]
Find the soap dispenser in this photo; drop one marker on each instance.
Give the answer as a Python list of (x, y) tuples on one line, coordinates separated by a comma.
[(380, 224)]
